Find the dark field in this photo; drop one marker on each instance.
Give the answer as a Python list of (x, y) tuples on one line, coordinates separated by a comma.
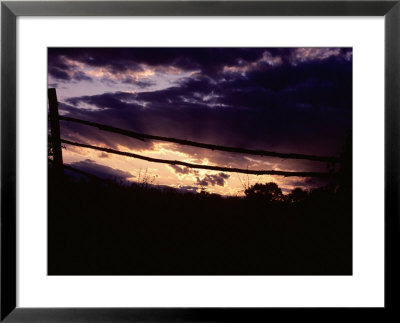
[(99, 228)]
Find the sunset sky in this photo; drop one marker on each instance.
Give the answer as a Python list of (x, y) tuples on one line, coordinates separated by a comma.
[(291, 100)]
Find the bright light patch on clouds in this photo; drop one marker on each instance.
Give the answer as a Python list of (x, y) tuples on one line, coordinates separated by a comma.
[(242, 67), (308, 54), (88, 106)]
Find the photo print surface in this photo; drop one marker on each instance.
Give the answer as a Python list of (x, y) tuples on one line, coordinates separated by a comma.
[(200, 161)]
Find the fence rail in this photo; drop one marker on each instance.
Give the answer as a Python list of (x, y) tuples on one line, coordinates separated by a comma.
[(198, 166), (258, 152), (56, 142)]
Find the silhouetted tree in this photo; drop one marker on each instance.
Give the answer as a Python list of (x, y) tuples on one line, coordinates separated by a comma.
[(324, 195), (269, 192), (297, 195)]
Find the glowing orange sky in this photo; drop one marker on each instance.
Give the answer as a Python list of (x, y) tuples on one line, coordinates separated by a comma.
[(162, 174)]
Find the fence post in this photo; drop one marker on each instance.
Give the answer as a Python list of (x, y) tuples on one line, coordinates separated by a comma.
[(55, 131)]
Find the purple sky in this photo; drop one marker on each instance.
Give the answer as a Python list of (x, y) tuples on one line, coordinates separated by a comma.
[(295, 100)]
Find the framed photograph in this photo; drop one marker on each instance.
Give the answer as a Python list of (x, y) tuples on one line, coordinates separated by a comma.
[(198, 160)]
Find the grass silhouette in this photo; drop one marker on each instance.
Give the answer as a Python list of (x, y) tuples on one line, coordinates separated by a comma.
[(104, 228)]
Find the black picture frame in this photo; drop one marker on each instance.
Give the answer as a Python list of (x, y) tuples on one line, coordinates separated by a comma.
[(10, 10)]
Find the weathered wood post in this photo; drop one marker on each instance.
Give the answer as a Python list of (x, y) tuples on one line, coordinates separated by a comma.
[(55, 131)]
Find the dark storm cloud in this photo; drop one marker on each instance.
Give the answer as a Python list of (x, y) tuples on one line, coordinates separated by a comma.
[(208, 60), (101, 171), (140, 84), (117, 60), (300, 105), (104, 101), (180, 170), (58, 73), (212, 180), (326, 82), (61, 70), (314, 104)]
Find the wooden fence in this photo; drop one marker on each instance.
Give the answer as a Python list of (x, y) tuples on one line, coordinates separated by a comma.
[(56, 142)]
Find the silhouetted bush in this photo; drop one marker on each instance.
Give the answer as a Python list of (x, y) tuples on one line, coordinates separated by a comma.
[(269, 192), (297, 195)]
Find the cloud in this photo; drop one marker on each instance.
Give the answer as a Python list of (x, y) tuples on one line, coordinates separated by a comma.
[(312, 104), (117, 60), (212, 180), (101, 171), (180, 170), (103, 155), (209, 61)]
